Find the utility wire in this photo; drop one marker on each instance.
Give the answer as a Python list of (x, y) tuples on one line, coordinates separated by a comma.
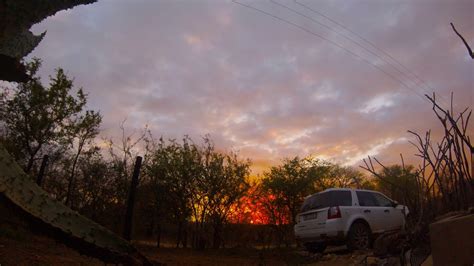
[(418, 80), (415, 82), (362, 38), (332, 42), (347, 38)]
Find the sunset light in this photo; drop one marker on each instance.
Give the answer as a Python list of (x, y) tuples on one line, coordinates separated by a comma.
[(236, 132)]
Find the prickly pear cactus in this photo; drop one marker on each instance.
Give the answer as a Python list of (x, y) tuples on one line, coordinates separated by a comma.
[(17, 17), (16, 39), (90, 237)]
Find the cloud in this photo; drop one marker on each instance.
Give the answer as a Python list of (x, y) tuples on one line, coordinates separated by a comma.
[(377, 103), (261, 86)]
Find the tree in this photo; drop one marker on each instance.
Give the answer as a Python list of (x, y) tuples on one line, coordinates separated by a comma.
[(96, 187), (274, 208), (293, 180), (399, 183), (36, 116), (443, 179), (83, 131), (173, 169), (283, 189), (224, 182), (199, 185), (339, 176)]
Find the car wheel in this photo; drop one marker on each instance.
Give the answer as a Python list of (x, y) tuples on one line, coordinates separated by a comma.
[(359, 236), (315, 247)]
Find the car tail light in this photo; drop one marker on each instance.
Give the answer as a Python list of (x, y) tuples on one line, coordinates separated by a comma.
[(334, 212)]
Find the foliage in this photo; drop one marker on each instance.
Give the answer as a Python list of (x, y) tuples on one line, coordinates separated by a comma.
[(399, 183), (333, 175), (193, 188), (199, 185), (82, 131), (172, 170), (36, 116), (282, 189), (96, 190), (289, 183), (224, 183)]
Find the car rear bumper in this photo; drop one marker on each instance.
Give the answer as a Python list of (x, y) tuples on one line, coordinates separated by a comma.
[(330, 232), (330, 238)]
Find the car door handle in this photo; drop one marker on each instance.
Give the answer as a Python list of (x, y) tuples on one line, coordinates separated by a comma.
[(366, 211), (387, 211)]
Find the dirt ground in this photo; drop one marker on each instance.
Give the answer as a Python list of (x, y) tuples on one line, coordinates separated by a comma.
[(41, 250), (37, 250), (22, 245), (250, 257)]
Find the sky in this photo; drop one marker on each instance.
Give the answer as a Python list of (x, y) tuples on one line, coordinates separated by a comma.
[(281, 82)]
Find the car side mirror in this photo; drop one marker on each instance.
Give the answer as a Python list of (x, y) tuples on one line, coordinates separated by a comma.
[(395, 203)]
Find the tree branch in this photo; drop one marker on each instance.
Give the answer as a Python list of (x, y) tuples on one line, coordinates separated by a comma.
[(464, 41)]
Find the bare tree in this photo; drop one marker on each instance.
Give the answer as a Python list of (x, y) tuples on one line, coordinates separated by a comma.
[(445, 176)]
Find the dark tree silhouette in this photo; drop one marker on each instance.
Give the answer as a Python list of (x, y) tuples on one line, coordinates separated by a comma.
[(469, 50)]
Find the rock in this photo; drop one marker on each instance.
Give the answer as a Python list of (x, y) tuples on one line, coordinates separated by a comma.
[(389, 243), (452, 240), (371, 261), (329, 257), (428, 261)]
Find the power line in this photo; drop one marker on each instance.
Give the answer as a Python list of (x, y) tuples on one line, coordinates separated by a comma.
[(360, 37), (346, 37), (332, 42), (418, 80), (414, 82)]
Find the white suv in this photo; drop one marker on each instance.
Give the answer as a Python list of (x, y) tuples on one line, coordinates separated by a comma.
[(350, 216)]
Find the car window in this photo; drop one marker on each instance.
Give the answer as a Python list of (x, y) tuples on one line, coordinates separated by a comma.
[(366, 198), (341, 198), (382, 200), (315, 201), (327, 199)]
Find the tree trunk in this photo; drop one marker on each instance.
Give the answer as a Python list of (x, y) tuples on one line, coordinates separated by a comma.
[(184, 240), (158, 235), (71, 180), (30, 164), (180, 228), (216, 240), (44, 163), (32, 159), (127, 231), (150, 228), (216, 243)]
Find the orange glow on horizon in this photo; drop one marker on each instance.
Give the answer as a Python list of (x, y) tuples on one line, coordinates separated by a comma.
[(257, 209)]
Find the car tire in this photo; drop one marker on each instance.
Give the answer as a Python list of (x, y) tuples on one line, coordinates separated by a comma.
[(315, 247), (359, 237)]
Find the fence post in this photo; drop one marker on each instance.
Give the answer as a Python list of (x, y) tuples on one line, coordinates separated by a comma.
[(127, 231), (44, 163)]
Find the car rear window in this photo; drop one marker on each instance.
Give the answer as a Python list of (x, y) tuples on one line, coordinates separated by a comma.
[(327, 199)]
